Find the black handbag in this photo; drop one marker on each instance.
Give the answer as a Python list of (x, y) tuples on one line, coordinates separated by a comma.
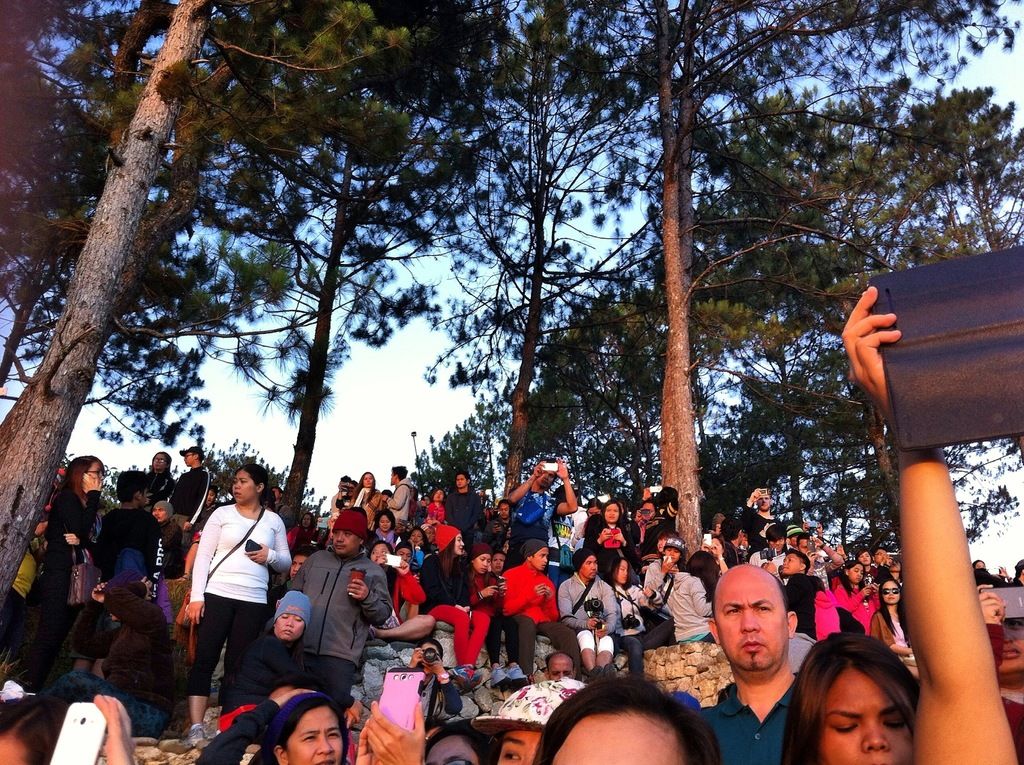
[(84, 577)]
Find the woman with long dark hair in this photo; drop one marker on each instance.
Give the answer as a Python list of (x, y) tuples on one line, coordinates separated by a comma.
[(368, 497), (852, 699), (889, 623), (69, 537), (609, 534), (853, 595), (304, 533), (231, 575), (161, 482), (632, 600), (445, 581)]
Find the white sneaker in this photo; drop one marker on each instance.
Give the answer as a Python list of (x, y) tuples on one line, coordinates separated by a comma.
[(196, 736)]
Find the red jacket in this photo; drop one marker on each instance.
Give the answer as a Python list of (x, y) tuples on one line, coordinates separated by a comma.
[(492, 605), (407, 589), (520, 598)]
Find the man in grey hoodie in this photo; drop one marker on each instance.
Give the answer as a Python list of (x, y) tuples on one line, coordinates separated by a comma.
[(349, 593)]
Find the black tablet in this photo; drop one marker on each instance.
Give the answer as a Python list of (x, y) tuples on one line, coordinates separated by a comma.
[(957, 373)]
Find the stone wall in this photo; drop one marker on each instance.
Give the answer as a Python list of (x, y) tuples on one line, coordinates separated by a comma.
[(699, 669)]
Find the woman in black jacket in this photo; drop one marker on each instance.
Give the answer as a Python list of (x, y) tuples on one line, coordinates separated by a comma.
[(161, 483), (610, 535), (276, 653), (68, 534), (443, 577)]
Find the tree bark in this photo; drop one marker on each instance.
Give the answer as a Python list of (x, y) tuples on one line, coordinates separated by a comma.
[(677, 117), (890, 481), (316, 370), (36, 431), (527, 368)]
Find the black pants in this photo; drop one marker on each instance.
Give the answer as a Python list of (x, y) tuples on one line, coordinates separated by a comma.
[(635, 645), (237, 621), (503, 625), (562, 637), (56, 618), (337, 674)]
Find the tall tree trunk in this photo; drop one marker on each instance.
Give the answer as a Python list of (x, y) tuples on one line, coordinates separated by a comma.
[(316, 371), (35, 433), (527, 367), (679, 463)]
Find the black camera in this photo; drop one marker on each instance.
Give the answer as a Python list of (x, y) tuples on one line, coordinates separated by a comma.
[(593, 606), (430, 656), (630, 622)]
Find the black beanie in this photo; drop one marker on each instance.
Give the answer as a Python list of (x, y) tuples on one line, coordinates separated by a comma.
[(580, 556)]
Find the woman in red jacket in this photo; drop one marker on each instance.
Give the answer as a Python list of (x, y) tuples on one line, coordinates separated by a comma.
[(531, 601), (487, 593), (405, 589)]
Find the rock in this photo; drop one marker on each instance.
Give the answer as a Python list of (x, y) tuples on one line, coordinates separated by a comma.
[(382, 652), (143, 741), (699, 669)]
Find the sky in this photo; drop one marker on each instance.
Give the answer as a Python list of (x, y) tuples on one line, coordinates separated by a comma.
[(381, 397)]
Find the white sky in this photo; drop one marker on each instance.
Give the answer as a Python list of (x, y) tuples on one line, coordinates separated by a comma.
[(381, 396)]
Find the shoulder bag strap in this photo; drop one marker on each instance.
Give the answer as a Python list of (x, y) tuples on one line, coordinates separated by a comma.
[(586, 591), (240, 543), (202, 502)]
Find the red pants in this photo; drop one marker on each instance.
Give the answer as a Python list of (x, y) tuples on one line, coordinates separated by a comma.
[(470, 632)]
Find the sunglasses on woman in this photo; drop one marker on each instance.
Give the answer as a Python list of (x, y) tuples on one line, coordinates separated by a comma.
[(890, 592)]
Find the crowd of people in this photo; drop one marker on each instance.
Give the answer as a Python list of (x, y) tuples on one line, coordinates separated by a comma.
[(832, 662)]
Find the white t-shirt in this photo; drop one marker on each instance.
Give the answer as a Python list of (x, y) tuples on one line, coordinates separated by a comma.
[(238, 577)]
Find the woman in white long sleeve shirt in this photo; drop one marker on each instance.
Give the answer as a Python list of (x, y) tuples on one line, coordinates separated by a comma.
[(230, 581)]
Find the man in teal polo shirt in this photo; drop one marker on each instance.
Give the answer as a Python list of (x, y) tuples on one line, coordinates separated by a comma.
[(751, 623)]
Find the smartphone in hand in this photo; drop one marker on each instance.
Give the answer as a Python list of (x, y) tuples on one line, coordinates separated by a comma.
[(251, 546), (401, 695), (81, 736)]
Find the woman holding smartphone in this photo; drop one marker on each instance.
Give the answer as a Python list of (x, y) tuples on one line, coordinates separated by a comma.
[(230, 575), (609, 534), (68, 531)]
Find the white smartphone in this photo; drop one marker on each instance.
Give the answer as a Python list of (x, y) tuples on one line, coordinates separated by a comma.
[(392, 560), (603, 497), (550, 467), (81, 736), (707, 540), (654, 489)]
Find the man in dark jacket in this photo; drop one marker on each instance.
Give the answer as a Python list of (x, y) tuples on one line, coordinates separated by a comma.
[(190, 491), (462, 508), (129, 536), (349, 593)]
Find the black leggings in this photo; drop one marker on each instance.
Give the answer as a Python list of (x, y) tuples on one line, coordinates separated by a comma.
[(237, 621), (56, 618), (501, 624)]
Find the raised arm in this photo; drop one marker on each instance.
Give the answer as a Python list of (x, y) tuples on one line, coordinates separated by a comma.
[(519, 492), (958, 680)]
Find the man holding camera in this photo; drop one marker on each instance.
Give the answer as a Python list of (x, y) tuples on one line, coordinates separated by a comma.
[(534, 507), (438, 695), (587, 605)]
